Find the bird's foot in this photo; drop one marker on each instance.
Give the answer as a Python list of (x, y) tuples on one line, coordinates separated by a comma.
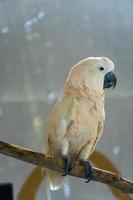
[(68, 164), (88, 168)]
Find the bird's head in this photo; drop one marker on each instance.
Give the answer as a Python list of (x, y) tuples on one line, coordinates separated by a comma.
[(93, 73)]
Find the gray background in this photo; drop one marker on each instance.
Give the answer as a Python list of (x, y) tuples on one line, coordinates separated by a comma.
[(39, 42)]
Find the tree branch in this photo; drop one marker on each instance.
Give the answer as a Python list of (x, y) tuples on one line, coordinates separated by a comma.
[(57, 164)]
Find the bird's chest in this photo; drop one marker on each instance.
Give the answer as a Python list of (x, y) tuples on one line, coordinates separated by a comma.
[(84, 117)]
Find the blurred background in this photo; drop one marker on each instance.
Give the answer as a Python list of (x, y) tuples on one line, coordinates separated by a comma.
[(39, 42)]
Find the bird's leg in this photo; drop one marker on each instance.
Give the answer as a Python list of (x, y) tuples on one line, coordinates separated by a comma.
[(88, 168), (68, 164)]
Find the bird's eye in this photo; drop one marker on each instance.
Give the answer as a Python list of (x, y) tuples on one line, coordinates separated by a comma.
[(101, 68)]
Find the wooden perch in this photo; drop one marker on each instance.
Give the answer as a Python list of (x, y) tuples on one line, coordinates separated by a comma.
[(57, 164)]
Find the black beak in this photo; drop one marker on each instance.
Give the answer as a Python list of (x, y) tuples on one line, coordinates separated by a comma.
[(110, 80)]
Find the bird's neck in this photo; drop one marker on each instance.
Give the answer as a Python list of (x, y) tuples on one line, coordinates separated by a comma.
[(84, 93)]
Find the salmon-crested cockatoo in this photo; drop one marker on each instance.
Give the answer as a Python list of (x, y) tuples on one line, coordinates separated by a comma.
[(76, 122)]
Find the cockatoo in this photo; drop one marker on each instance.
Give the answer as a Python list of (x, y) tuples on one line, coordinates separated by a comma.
[(76, 122)]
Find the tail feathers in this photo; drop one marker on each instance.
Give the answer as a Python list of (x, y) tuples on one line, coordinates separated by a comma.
[(66, 189), (56, 180)]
